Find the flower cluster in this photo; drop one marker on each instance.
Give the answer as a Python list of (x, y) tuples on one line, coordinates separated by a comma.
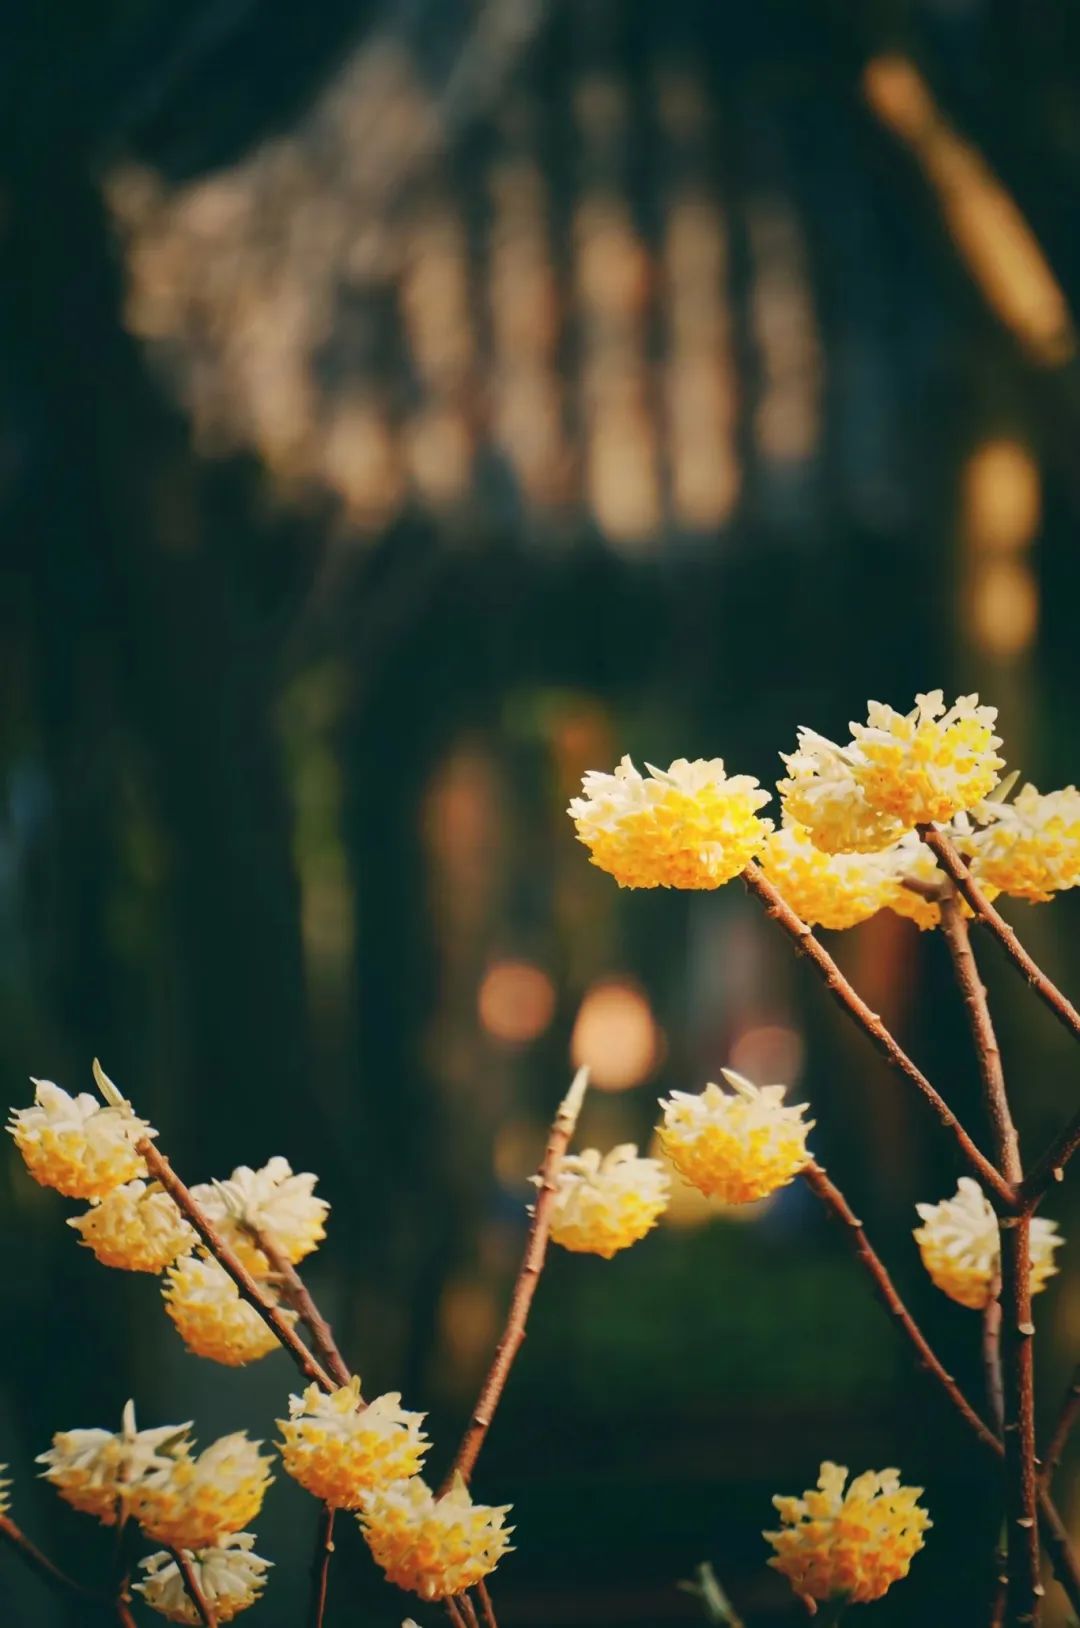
[(340, 1448), (960, 1245), (230, 1578), (687, 826), (604, 1203), (210, 1316), (1031, 847), (76, 1144), (272, 1203), (196, 1501), (853, 1545), (737, 1145), (136, 1227), (101, 1472), (825, 889), (434, 1546)]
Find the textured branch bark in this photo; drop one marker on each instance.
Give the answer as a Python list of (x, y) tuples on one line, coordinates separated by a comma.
[(847, 997), (1018, 1374), (320, 1566), (532, 1264), (298, 1297)]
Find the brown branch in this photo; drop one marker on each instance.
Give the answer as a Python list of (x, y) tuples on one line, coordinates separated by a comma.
[(162, 1171), (1048, 992), (453, 1611), (1050, 1165), (297, 1296), (320, 1566), (955, 932), (1054, 1534), (207, 1615), (842, 992), (43, 1567), (1067, 1416), (1018, 1374), (469, 1612), (991, 1354), (486, 1605), (532, 1264)]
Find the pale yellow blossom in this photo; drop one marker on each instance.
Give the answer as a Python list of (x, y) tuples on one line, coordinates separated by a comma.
[(195, 1502), (100, 1471), (1030, 848), (960, 1246), (75, 1144), (340, 1448), (272, 1201), (604, 1203), (136, 1228), (853, 1545), (826, 890), (737, 1145), (230, 1577), (687, 826), (210, 1316), (435, 1547), (929, 764), (821, 795)]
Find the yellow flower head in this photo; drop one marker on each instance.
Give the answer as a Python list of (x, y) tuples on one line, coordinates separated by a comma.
[(928, 764), (826, 890), (212, 1320), (961, 1247), (822, 796), (848, 1546), (737, 1146), (136, 1228), (688, 826), (271, 1201), (604, 1203), (911, 861), (194, 1503), (341, 1449), (1031, 847), (434, 1546), (99, 1472), (75, 1144), (230, 1576)]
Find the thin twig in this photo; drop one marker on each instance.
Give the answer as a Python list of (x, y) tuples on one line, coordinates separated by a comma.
[(320, 1566), (40, 1563), (453, 1611), (1049, 1167), (486, 1606), (1054, 1533), (1044, 987), (469, 1612), (532, 1264), (207, 1615), (298, 1297), (160, 1168), (806, 944), (991, 1354), (958, 939), (1018, 1375), (1067, 1417)]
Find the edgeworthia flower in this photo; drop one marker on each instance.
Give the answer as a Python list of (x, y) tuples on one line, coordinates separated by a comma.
[(230, 1577), (77, 1145), (960, 1246), (928, 764), (100, 1471), (435, 1547), (136, 1228), (211, 1318), (825, 890), (737, 1145), (1030, 848), (604, 1203), (340, 1449), (197, 1501), (273, 1202), (848, 1546)]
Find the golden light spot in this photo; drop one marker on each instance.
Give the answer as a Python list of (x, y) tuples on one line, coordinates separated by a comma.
[(516, 1001), (616, 1035)]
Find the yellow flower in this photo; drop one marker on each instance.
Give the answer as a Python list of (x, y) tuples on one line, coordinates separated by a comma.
[(961, 1247), (912, 861), (212, 1320), (74, 1144), (434, 1546), (196, 1502), (271, 1201), (928, 764), (340, 1449), (826, 890), (136, 1228), (848, 1546), (823, 797), (736, 1146), (1031, 847), (688, 826), (98, 1472), (605, 1203), (230, 1576)]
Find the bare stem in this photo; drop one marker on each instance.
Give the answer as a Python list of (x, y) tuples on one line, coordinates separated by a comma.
[(955, 931), (468, 1611), (40, 1563), (486, 1605), (453, 1611), (207, 1615), (991, 1353), (1018, 1373), (320, 1566), (1048, 992), (532, 1264), (1054, 1533), (1067, 1416), (160, 1168), (297, 1295), (842, 992)]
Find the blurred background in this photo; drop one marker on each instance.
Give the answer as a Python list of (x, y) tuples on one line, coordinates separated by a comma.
[(403, 408)]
